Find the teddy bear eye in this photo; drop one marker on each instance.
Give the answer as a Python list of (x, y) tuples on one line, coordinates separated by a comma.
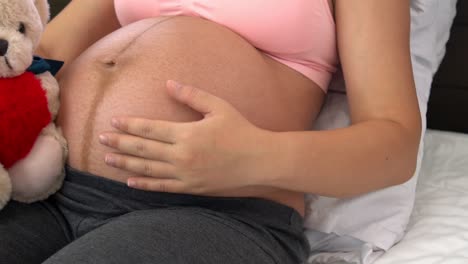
[(22, 28)]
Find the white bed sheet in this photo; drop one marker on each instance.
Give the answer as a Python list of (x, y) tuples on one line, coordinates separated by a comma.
[(438, 228)]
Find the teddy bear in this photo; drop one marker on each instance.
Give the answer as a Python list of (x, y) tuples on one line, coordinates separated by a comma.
[(32, 148)]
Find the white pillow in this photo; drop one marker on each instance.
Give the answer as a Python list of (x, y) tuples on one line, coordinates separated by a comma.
[(376, 221)]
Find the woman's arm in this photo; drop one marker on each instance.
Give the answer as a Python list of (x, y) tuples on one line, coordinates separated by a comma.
[(380, 148), (77, 27), (223, 151)]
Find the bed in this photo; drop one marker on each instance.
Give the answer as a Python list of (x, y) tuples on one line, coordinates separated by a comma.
[(437, 232), (438, 228)]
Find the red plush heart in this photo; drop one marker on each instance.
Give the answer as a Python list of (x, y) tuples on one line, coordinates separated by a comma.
[(23, 114)]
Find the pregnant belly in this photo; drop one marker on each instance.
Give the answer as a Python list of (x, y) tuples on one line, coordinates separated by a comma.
[(125, 74)]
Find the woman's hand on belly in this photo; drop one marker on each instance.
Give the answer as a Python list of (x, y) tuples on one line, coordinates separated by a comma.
[(218, 154)]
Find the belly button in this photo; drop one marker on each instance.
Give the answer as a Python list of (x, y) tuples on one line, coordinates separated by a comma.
[(110, 64)]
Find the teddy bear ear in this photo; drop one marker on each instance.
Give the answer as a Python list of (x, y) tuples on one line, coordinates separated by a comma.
[(43, 9)]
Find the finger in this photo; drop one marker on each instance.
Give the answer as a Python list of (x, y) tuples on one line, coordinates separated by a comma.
[(137, 146), (147, 128), (197, 99), (140, 166), (156, 185)]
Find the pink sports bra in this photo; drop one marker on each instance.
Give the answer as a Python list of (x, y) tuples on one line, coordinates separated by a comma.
[(298, 33)]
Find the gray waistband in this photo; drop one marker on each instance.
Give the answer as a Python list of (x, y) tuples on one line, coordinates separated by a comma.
[(78, 184)]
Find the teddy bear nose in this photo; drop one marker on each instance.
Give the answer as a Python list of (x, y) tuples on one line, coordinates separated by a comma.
[(3, 47)]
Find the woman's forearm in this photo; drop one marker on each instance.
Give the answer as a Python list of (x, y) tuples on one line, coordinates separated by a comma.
[(362, 158), (78, 26)]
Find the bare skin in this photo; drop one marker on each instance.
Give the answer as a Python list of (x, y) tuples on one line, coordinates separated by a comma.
[(125, 73), (383, 135)]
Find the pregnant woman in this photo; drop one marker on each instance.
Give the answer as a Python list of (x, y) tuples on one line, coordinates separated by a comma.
[(160, 172)]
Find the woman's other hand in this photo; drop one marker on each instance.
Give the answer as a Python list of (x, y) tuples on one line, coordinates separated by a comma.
[(221, 152)]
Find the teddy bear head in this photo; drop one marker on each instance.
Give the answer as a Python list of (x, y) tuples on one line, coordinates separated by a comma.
[(21, 25)]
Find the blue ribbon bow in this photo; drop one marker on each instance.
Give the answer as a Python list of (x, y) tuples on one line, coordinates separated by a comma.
[(40, 65)]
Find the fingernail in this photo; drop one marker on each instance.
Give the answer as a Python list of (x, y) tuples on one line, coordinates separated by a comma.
[(177, 86), (131, 183), (115, 122), (103, 139), (110, 160)]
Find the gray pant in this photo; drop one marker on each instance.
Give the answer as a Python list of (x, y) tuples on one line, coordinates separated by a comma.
[(95, 220)]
